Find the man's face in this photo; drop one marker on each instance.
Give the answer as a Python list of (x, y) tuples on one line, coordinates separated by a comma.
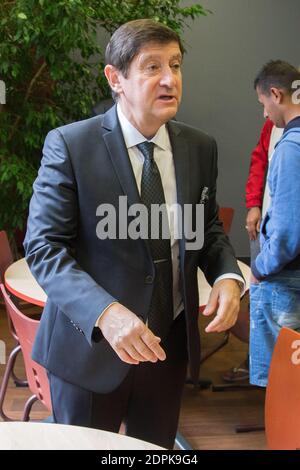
[(272, 105), (151, 93)]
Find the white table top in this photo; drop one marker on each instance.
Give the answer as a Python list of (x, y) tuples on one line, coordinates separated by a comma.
[(20, 281), (45, 436)]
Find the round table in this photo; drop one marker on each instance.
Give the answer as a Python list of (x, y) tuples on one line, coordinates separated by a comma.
[(46, 436), (20, 282)]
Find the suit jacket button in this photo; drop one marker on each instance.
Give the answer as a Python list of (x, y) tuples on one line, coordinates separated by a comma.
[(149, 279)]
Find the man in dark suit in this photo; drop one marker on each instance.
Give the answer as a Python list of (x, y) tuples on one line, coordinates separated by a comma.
[(120, 323)]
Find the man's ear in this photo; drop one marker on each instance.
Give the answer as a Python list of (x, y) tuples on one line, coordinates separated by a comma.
[(277, 95), (113, 77)]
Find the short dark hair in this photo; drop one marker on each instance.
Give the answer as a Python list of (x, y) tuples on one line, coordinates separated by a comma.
[(276, 73), (127, 41)]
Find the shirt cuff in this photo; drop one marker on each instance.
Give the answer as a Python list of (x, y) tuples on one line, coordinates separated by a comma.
[(236, 277), (97, 321)]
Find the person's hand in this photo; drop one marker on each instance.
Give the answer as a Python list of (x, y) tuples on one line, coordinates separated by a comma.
[(253, 220), (129, 337), (224, 299)]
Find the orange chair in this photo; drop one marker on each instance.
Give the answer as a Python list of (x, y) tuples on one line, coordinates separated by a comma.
[(282, 406), (26, 329), (226, 216), (6, 259)]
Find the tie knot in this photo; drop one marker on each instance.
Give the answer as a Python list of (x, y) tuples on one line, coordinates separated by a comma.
[(147, 149)]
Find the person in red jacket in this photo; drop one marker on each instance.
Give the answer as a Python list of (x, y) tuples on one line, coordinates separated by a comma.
[(255, 185), (255, 189)]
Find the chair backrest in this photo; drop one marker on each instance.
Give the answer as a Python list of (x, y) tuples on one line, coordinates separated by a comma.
[(6, 256), (26, 329), (6, 259), (282, 406), (226, 217)]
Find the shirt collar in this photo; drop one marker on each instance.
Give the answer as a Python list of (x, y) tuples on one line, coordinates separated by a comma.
[(293, 123), (133, 137)]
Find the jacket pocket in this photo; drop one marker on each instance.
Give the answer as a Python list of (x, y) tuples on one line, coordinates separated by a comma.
[(264, 223), (286, 307)]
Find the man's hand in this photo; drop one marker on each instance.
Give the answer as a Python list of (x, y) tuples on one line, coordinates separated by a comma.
[(224, 299), (253, 222), (129, 337)]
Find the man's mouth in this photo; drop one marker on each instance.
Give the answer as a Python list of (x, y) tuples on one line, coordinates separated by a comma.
[(166, 97)]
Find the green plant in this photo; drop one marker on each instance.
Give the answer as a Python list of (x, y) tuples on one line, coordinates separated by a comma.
[(52, 66)]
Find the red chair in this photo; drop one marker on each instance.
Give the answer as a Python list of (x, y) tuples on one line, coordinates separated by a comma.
[(26, 329), (6, 259), (282, 404), (226, 216)]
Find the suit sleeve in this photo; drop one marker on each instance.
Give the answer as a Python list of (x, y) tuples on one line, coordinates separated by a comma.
[(49, 241), (217, 256)]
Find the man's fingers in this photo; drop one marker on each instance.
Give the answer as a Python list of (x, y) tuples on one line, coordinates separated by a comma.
[(152, 342), (252, 234), (219, 324), (124, 356), (251, 229), (132, 351), (225, 318), (144, 351), (215, 326), (212, 303)]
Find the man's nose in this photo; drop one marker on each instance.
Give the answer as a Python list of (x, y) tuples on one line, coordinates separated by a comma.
[(167, 78)]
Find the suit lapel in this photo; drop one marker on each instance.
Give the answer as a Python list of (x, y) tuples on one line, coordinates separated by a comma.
[(117, 150), (181, 156), (118, 153)]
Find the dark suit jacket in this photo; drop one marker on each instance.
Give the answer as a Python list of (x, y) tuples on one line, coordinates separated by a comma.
[(85, 164)]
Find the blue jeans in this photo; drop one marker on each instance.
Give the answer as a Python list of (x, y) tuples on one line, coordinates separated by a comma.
[(275, 302)]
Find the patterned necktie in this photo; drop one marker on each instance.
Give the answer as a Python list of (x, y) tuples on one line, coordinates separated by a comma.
[(160, 315)]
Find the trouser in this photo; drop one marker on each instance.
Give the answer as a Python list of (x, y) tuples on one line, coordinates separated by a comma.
[(275, 302), (147, 401)]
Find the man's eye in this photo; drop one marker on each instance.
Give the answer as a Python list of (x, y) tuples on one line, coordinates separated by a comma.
[(176, 66), (152, 67)]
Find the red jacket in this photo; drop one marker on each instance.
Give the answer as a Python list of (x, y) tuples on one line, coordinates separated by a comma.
[(258, 166)]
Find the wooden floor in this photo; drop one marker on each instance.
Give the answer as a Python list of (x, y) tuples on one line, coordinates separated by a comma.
[(207, 419)]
